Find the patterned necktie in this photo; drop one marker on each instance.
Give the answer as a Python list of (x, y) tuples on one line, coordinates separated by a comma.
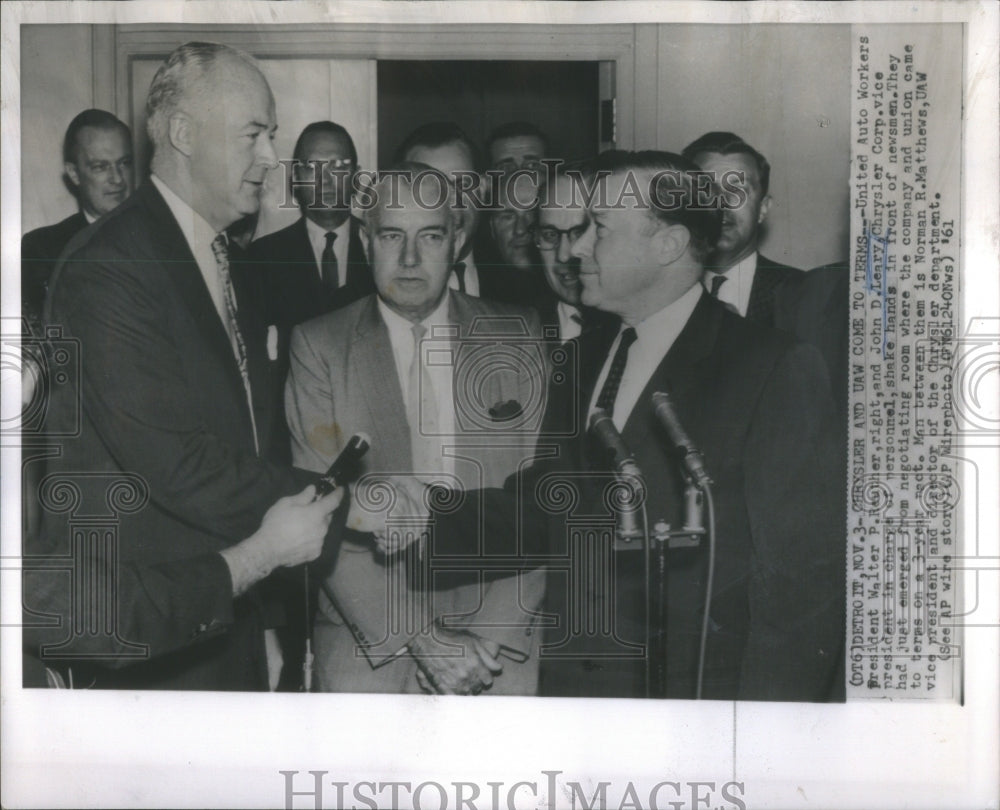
[(221, 250), (328, 264), (717, 281), (421, 411), (606, 401), (460, 275)]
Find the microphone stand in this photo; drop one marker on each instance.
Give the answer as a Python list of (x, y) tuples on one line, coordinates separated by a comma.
[(699, 485), (688, 536)]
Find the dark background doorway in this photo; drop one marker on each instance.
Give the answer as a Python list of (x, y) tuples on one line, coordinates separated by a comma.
[(560, 97)]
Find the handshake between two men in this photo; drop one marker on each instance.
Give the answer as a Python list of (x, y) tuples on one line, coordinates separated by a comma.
[(450, 660)]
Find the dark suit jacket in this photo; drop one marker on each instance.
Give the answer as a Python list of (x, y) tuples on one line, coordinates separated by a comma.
[(812, 306), (758, 406), (816, 311), (499, 281), (767, 295), (546, 306), (284, 277), (165, 453), (40, 249), (283, 285)]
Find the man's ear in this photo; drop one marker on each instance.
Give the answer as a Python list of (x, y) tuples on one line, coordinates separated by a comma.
[(460, 237), (365, 244), (765, 207), (72, 173), (180, 131), (670, 242)]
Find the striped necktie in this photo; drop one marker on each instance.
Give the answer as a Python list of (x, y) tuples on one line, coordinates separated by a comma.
[(221, 250)]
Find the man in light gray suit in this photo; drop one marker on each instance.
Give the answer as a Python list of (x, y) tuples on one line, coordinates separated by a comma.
[(447, 386)]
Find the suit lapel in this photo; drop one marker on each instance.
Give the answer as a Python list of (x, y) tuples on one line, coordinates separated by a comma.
[(358, 275), (375, 371), (594, 345), (502, 384), (682, 365), (169, 246), (301, 256), (760, 307)]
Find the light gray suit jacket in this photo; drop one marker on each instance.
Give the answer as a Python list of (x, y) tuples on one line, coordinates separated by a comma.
[(343, 380)]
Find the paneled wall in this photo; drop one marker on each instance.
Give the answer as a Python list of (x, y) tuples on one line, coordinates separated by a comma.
[(784, 88), (56, 83)]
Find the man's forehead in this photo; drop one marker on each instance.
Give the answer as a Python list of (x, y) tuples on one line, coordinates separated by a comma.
[(447, 158), (326, 144), (519, 194), (103, 140), (562, 215), (407, 212), (517, 145), (738, 162)]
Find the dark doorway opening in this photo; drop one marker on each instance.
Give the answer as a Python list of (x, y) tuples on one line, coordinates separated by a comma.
[(559, 97)]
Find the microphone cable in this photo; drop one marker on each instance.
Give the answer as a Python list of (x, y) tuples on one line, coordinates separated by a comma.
[(703, 641)]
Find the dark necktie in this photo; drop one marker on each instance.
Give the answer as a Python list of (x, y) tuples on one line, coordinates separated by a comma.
[(328, 264), (606, 401), (460, 274), (221, 250), (717, 281)]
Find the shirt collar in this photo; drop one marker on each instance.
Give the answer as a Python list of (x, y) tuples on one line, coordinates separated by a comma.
[(748, 264), (664, 326), (318, 232), (398, 325)]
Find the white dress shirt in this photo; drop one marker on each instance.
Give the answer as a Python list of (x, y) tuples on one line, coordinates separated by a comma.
[(654, 337), (739, 281), (436, 346), (471, 277), (341, 245), (570, 321)]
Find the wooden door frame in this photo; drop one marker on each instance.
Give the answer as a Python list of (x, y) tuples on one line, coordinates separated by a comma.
[(632, 49)]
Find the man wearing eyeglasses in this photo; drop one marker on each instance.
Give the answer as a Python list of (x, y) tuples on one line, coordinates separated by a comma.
[(560, 222), (317, 264)]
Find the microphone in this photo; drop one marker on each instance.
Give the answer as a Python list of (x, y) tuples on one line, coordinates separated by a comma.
[(690, 455), (607, 434), (345, 465)]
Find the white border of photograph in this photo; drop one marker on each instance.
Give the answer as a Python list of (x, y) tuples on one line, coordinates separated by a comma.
[(129, 749)]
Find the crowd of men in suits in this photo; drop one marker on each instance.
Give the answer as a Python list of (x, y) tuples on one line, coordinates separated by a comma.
[(221, 376)]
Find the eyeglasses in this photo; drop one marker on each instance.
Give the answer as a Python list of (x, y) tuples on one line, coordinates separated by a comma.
[(549, 237)]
